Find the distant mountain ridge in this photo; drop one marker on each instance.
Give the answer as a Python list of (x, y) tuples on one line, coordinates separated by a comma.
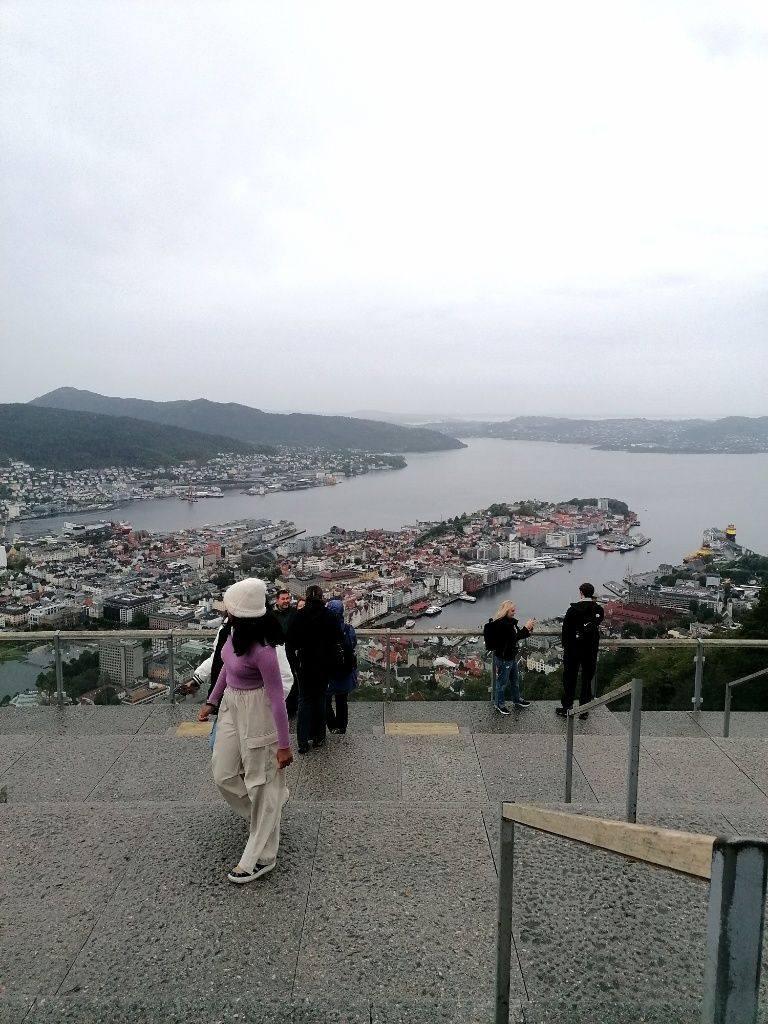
[(65, 439), (732, 434), (248, 424)]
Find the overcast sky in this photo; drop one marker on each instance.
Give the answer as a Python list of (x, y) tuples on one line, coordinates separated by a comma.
[(508, 207)]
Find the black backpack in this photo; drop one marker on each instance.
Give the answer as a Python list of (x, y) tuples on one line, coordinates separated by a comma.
[(489, 634), (343, 660)]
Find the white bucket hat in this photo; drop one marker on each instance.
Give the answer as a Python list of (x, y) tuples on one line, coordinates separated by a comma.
[(246, 599)]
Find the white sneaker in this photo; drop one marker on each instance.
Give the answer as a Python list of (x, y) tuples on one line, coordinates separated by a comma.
[(240, 877)]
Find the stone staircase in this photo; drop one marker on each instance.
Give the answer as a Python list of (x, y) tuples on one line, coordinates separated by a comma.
[(115, 846)]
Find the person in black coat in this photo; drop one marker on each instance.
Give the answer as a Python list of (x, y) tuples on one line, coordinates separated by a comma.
[(581, 639), (502, 635), (314, 638)]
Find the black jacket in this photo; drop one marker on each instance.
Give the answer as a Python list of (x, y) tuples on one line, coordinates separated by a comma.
[(313, 638), (581, 625), (285, 618), (505, 635)]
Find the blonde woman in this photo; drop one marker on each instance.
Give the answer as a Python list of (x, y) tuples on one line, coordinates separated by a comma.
[(504, 634)]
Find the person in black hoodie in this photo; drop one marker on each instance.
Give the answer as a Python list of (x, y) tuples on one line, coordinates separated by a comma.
[(502, 635), (581, 639), (313, 640)]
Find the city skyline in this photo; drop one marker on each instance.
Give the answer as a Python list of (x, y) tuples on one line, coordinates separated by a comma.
[(325, 209)]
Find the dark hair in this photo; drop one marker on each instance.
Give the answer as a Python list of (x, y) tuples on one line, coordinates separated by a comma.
[(246, 632), (282, 592), (314, 593), (587, 590)]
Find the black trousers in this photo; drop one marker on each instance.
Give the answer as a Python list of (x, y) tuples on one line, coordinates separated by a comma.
[(292, 700), (575, 660), (310, 723), (337, 719)]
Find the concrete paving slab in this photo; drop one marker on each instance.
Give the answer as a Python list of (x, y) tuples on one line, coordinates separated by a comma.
[(14, 1009), (414, 899), (166, 718), (365, 716), (156, 768), (611, 1011), (743, 723), (172, 923), (35, 956), (314, 1011), (750, 755), (62, 769), (540, 718), (74, 720), (666, 723), (528, 768), (642, 928), (351, 767), (161, 1005), (456, 711), (746, 821), (397, 1012), (438, 768), (603, 760), (63, 858), (701, 771), (12, 747)]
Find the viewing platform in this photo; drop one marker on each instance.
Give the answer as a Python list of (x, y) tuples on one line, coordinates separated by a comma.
[(382, 908)]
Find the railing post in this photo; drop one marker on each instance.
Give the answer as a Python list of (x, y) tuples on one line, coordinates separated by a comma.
[(727, 712), (504, 919), (388, 666), (124, 655), (735, 931), (698, 675), (633, 765), (569, 758), (59, 670), (171, 667)]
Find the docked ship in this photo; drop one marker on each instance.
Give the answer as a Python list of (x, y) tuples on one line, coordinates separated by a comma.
[(467, 597), (433, 609)]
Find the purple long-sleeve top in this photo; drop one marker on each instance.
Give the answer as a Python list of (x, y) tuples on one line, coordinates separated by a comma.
[(252, 671)]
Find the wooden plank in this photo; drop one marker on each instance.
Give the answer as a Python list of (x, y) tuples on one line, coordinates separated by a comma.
[(193, 729), (684, 852), (421, 728)]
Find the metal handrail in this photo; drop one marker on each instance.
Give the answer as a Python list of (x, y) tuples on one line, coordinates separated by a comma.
[(635, 688), (730, 686), (736, 867), (30, 636)]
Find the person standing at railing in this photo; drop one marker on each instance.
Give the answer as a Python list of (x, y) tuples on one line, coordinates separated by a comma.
[(502, 635), (581, 640), (341, 683), (284, 614), (313, 638), (252, 744)]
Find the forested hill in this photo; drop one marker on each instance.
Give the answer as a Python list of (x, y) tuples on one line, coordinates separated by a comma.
[(62, 439), (732, 434), (248, 424)]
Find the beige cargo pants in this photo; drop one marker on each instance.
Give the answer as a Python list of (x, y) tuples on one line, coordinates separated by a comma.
[(246, 773)]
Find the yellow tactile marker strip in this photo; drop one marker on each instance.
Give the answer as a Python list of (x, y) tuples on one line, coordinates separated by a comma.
[(193, 729)]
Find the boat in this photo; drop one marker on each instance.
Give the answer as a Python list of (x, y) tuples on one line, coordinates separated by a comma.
[(433, 609), (467, 597), (410, 623)]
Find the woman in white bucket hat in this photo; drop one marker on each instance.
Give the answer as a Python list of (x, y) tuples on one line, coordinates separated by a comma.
[(252, 743)]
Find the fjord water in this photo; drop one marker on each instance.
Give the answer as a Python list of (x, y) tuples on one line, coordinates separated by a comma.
[(675, 497)]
